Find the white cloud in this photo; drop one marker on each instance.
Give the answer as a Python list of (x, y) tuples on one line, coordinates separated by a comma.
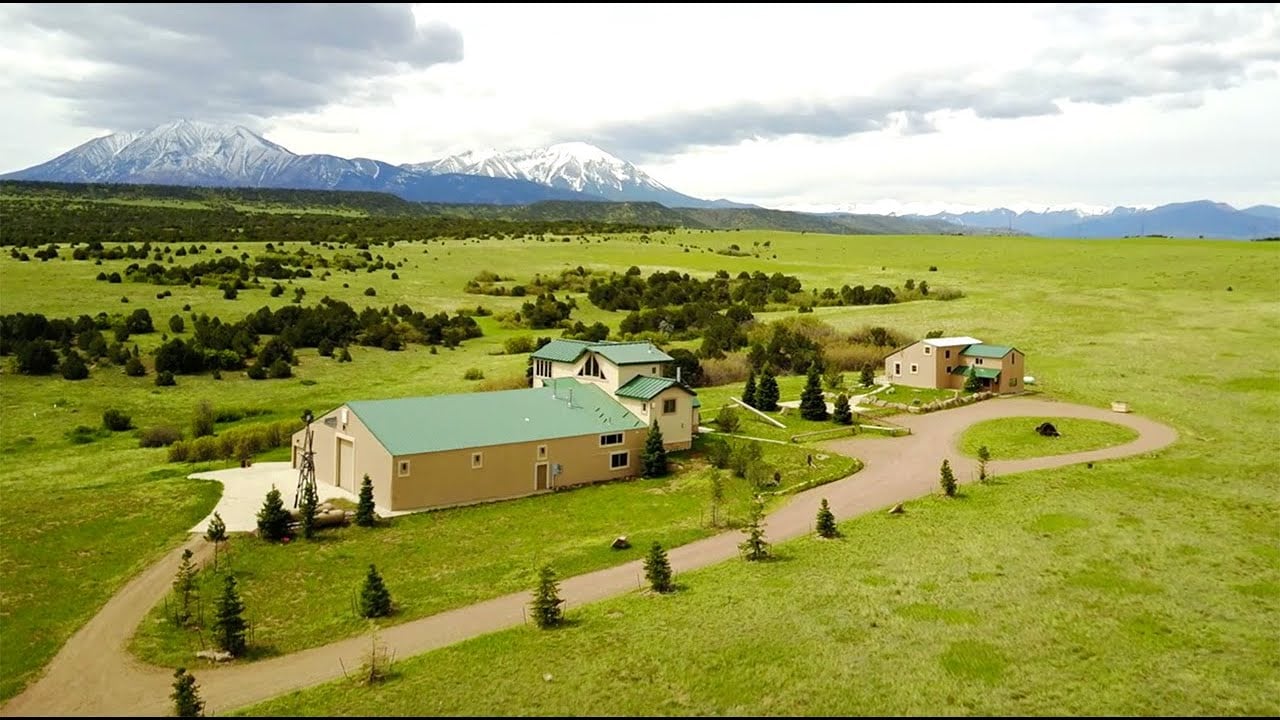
[(827, 105)]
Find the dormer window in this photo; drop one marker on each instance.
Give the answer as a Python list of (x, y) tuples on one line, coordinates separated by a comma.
[(591, 368)]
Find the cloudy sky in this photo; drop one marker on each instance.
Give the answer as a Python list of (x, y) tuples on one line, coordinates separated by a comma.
[(876, 108)]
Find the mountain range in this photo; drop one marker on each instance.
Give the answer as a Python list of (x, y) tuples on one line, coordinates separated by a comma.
[(200, 154), (1201, 218), (186, 152)]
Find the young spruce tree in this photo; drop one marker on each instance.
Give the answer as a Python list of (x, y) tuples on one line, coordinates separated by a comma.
[(755, 547), (273, 519), (767, 394), (654, 460), (984, 457), (657, 569), (843, 414), (813, 406), (307, 505), (547, 612), (947, 479), (216, 533), (228, 624), (972, 383), (184, 586), (826, 524), (375, 599), (365, 516), (749, 392), (186, 695), (868, 377)]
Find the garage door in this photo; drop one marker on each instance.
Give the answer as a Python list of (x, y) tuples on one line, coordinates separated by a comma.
[(346, 465)]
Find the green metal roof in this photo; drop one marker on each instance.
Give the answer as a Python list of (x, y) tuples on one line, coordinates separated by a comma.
[(562, 350), (647, 387), (631, 353), (983, 350), (618, 353), (407, 426), (981, 372)]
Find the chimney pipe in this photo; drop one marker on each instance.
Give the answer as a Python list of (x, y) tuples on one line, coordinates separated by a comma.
[(678, 374)]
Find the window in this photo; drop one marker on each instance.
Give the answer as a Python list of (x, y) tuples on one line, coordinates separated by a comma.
[(1013, 358), (542, 452), (610, 439), (668, 406), (619, 460), (948, 368), (653, 370), (897, 368), (978, 361), (404, 468), (914, 368), (948, 355), (591, 368), (1013, 382), (542, 368), (928, 349), (477, 461), (644, 408)]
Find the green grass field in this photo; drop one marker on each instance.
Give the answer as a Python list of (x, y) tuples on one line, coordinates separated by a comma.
[(1016, 438), (1198, 522), (441, 560)]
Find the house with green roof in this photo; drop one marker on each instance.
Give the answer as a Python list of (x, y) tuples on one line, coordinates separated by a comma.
[(946, 363), (584, 420)]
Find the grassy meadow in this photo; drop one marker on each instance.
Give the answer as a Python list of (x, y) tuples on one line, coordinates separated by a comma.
[(1008, 608), (1016, 438)]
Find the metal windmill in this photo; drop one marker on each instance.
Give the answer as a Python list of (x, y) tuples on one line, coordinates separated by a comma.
[(307, 465)]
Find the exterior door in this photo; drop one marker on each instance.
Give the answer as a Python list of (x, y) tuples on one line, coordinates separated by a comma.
[(346, 465), (540, 477)]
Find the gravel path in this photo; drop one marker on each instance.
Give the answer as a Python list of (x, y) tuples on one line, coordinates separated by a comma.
[(94, 674)]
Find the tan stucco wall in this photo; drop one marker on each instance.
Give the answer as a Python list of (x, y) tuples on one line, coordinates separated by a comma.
[(1012, 368), (614, 376), (441, 479), (678, 427), (368, 454), (928, 367)]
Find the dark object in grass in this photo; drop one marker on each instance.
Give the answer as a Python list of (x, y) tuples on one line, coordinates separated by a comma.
[(621, 543), (1047, 429)]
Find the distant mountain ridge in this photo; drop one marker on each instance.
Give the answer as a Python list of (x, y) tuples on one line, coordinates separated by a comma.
[(1188, 219), (184, 152)]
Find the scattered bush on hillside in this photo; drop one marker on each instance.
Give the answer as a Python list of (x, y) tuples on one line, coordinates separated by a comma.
[(165, 379), (202, 420), (159, 436), (727, 420), (230, 443), (116, 420), (473, 374), (518, 345)]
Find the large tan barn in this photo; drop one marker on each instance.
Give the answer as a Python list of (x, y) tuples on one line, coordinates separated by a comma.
[(945, 363), (585, 421)]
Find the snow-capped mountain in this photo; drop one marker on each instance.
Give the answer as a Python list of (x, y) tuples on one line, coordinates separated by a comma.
[(185, 152), (577, 166)]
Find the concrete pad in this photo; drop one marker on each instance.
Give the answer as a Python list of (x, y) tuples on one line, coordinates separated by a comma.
[(243, 490)]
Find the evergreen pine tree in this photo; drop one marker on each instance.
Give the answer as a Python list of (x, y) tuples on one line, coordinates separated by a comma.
[(547, 612), (375, 599), (972, 383), (654, 459), (307, 505), (826, 524), (216, 533), (273, 519), (184, 586), (365, 516), (868, 377), (657, 569), (767, 393), (813, 406), (947, 479), (228, 623), (755, 547), (186, 695), (749, 392), (843, 414), (984, 456), (73, 367)]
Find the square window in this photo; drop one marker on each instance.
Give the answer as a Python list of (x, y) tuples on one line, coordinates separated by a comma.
[(403, 468), (668, 406), (915, 368), (542, 452), (948, 368), (477, 461), (619, 460), (928, 349), (610, 439)]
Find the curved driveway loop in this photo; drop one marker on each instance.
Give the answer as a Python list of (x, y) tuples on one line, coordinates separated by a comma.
[(94, 674)]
